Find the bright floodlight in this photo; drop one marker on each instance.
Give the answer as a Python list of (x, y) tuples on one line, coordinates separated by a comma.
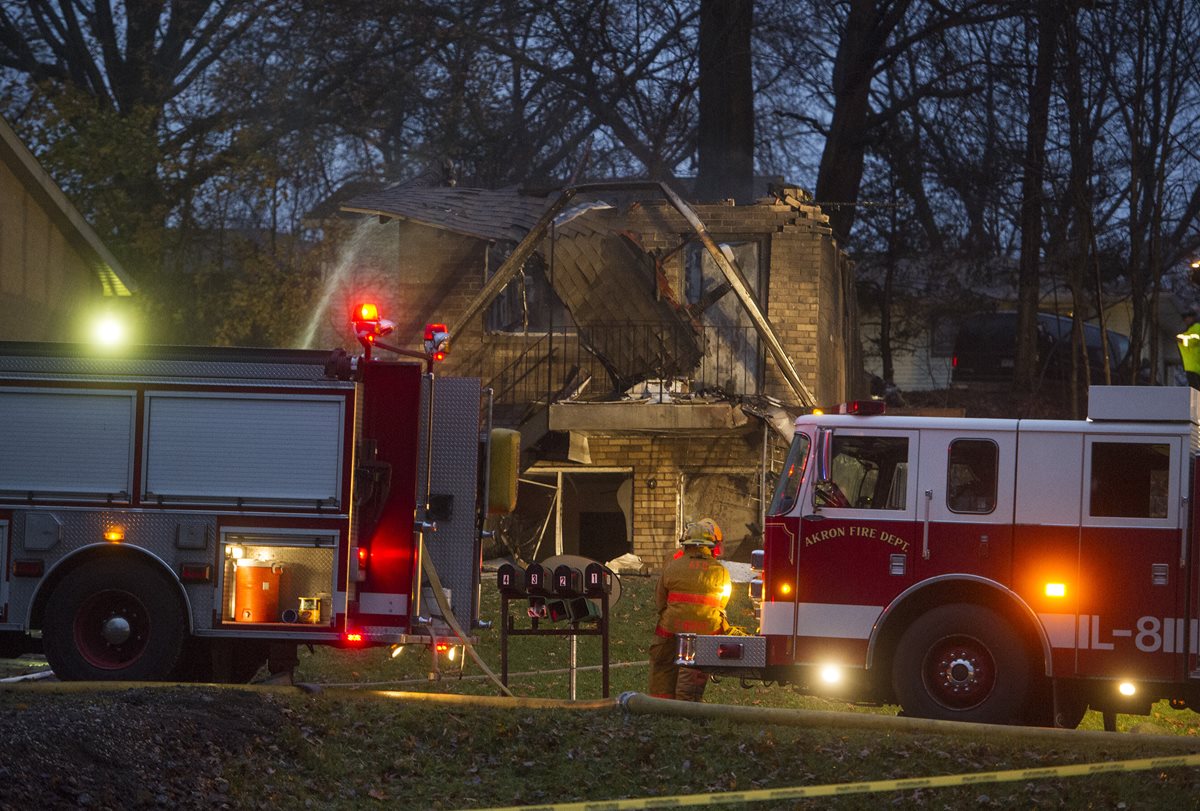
[(831, 674), (109, 331)]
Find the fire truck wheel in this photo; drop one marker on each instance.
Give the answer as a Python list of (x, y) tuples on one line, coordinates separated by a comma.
[(962, 662), (113, 620)]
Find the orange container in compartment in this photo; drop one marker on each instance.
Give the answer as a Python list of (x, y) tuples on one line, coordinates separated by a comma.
[(256, 593)]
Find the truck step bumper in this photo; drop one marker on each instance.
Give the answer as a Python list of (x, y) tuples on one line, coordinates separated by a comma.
[(717, 651)]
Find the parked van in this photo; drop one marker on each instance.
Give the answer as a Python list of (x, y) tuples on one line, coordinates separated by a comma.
[(985, 349)]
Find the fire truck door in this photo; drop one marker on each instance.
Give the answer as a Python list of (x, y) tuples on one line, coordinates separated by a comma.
[(965, 503), (857, 540), (1130, 585)]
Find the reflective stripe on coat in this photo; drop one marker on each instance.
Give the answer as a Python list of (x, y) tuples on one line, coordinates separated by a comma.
[(692, 594)]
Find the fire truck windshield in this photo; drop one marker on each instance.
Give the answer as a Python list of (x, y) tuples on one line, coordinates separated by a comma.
[(788, 488)]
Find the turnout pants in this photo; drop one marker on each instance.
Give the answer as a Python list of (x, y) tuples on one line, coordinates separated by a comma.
[(668, 680)]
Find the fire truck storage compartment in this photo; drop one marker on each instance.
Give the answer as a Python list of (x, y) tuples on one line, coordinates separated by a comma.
[(277, 579), (67, 443), (244, 448)]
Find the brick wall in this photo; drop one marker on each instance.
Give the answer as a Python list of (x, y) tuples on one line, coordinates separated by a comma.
[(657, 464), (431, 274)]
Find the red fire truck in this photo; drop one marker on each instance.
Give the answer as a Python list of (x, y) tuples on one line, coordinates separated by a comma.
[(1001, 571), (174, 512)]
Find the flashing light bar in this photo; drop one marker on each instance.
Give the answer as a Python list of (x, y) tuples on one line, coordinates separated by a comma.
[(862, 408)]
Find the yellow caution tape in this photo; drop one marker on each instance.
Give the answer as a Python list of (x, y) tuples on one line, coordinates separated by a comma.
[(868, 787)]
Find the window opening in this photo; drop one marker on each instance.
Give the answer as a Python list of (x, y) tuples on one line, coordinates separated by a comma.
[(1130, 479), (972, 476), (527, 304), (787, 490), (867, 473)]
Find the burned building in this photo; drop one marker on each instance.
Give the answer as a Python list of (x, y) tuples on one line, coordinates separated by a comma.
[(650, 351)]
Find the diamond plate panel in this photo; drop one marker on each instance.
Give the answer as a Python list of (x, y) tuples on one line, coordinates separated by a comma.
[(206, 364), (153, 532), (754, 651), (454, 548)]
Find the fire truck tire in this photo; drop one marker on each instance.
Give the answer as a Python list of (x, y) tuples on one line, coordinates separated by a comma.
[(962, 662), (113, 620)]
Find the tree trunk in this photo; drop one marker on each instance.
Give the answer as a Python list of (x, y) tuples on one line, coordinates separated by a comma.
[(726, 132), (1048, 19)]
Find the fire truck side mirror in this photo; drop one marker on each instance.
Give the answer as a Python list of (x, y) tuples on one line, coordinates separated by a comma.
[(824, 454), (597, 580), (510, 579), (568, 581)]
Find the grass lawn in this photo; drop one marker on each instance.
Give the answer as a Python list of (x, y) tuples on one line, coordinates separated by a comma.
[(419, 755), (356, 749)]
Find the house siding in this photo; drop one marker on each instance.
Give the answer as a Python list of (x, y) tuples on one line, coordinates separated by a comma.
[(46, 285)]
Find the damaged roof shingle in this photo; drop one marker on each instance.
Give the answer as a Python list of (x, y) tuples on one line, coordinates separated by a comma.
[(498, 215)]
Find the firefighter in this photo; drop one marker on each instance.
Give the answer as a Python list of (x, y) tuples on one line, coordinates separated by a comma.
[(691, 597), (1189, 348)]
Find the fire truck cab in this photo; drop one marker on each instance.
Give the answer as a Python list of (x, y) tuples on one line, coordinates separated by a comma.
[(1000, 571)]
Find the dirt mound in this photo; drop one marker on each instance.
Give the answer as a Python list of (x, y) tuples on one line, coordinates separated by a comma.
[(130, 749)]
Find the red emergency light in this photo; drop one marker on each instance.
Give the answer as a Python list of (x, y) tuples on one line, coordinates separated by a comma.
[(862, 408), (368, 326), (437, 341), (354, 637)]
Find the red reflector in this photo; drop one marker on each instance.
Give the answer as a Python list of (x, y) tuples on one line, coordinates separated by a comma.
[(28, 568), (195, 573), (729, 650)]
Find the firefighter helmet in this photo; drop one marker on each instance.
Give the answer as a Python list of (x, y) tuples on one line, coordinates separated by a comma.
[(704, 532)]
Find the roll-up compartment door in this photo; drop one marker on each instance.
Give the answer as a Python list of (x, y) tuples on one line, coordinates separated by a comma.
[(65, 443), (244, 448)]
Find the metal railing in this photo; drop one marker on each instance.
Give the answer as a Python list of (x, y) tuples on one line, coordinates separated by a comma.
[(527, 371)]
